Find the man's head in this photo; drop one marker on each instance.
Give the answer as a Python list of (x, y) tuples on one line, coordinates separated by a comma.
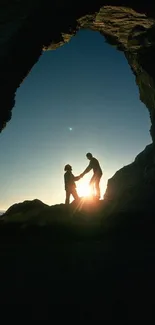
[(89, 155), (68, 168)]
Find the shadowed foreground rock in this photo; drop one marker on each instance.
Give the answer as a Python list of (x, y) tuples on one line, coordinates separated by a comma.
[(88, 269), (37, 213), (132, 188)]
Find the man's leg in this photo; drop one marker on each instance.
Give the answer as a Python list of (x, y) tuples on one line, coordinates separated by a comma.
[(97, 186), (67, 197), (91, 184)]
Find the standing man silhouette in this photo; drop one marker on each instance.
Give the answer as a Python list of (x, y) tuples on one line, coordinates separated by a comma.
[(95, 180)]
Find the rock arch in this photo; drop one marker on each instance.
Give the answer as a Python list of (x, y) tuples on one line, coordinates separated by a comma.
[(29, 27)]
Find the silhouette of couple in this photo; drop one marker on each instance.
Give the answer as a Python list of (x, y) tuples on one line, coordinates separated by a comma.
[(70, 179)]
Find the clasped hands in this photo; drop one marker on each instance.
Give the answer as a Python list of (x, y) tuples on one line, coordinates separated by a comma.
[(80, 176)]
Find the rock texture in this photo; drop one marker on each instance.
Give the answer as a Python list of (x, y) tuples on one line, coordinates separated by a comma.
[(28, 27), (132, 188), (37, 213)]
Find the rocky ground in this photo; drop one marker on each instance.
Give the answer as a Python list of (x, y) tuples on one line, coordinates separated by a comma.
[(81, 266)]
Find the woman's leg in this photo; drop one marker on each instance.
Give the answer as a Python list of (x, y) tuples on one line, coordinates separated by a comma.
[(74, 193), (67, 197)]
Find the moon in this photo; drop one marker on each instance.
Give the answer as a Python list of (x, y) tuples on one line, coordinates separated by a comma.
[(70, 129)]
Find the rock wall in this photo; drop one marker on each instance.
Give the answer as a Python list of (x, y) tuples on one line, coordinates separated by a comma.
[(28, 27), (132, 188)]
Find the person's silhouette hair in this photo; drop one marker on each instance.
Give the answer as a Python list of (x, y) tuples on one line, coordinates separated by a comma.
[(95, 180), (70, 185)]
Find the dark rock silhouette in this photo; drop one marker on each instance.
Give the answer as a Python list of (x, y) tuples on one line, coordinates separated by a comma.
[(25, 211), (133, 187), (82, 263), (29, 27), (26, 206), (39, 214)]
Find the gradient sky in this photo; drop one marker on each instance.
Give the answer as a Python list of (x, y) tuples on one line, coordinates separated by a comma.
[(85, 85)]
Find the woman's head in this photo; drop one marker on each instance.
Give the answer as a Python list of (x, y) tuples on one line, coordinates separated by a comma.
[(68, 168)]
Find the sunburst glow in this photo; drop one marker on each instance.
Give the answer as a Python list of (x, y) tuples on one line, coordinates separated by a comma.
[(83, 188)]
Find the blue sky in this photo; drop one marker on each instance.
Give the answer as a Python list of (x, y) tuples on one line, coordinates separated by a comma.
[(85, 85)]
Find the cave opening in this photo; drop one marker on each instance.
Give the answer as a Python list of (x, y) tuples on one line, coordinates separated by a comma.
[(81, 97)]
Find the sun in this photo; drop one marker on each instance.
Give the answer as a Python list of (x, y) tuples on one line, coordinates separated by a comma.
[(83, 188)]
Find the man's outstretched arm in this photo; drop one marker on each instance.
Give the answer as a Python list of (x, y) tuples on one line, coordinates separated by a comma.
[(87, 170), (76, 178)]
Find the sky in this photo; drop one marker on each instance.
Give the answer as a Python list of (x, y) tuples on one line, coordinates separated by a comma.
[(79, 98)]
